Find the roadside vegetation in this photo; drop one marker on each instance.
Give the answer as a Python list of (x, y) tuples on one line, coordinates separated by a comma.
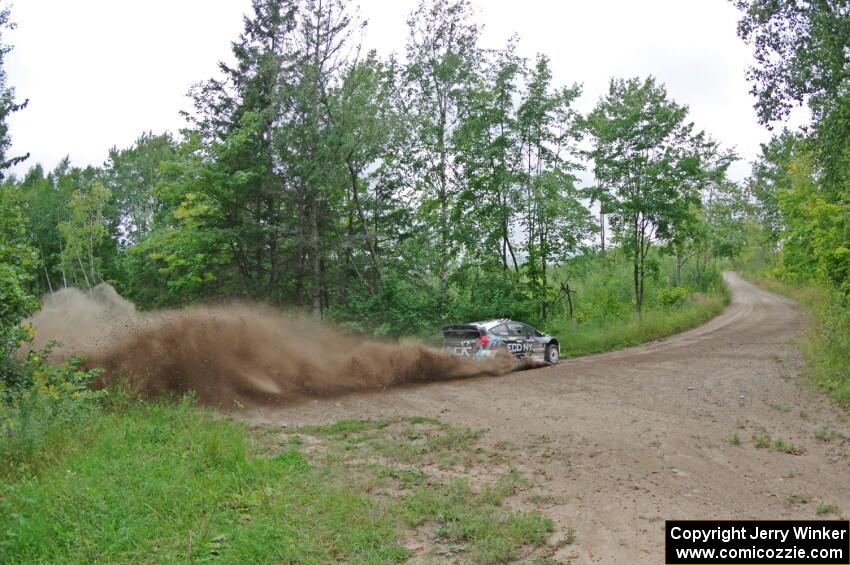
[(600, 314), (387, 195), (133, 481), (799, 239), (115, 479)]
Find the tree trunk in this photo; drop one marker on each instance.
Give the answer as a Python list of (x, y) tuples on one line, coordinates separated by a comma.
[(46, 274), (502, 206), (315, 261), (94, 276), (444, 231), (568, 292), (82, 269), (62, 263), (47, 277), (442, 196), (679, 262), (642, 283), (602, 228), (544, 282), (369, 240), (636, 264), (513, 255)]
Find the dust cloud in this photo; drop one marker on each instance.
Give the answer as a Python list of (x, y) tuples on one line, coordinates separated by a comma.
[(235, 354)]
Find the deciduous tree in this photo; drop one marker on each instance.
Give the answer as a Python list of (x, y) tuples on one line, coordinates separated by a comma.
[(651, 165)]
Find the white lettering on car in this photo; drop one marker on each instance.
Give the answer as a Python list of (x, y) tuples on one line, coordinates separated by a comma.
[(519, 347)]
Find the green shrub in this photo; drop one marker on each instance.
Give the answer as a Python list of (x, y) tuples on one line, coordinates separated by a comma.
[(673, 296), (18, 260), (401, 307), (45, 399), (36, 376)]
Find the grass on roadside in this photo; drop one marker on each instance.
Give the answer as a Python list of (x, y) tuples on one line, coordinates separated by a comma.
[(600, 313), (823, 509), (170, 482), (159, 482), (422, 465), (634, 330), (763, 440)]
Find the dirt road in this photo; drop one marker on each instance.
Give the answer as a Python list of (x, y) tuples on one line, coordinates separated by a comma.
[(625, 440)]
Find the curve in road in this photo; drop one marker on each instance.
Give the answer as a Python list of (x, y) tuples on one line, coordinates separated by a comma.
[(643, 434)]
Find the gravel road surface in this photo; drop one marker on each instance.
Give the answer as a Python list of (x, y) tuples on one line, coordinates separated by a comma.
[(627, 439)]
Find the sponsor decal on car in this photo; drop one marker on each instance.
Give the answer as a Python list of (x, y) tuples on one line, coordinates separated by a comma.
[(464, 349), (519, 347)]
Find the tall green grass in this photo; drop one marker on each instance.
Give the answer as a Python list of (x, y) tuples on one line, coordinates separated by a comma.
[(634, 330), (171, 483), (604, 316), (126, 481)]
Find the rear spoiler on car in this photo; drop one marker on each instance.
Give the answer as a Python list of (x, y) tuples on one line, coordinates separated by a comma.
[(462, 330)]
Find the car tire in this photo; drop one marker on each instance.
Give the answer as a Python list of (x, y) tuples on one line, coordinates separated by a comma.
[(552, 354)]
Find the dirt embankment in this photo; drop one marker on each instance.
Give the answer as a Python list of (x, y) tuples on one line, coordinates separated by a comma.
[(235, 354)]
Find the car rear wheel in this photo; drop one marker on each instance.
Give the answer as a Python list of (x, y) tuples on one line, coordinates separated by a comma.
[(552, 353)]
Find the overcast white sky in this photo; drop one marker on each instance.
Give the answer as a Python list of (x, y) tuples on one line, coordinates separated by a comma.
[(98, 73)]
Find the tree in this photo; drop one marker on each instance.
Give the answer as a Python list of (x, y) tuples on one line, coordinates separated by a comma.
[(84, 232), (227, 177), (319, 173), (443, 58), (131, 175), (18, 259), (802, 56), (815, 239), (364, 124), (555, 220), (650, 165), (8, 106), (488, 152), (726, 212), (43, 205), (18, 262), (770, 176)]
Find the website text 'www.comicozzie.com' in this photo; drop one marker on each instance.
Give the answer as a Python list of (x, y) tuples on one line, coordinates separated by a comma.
[(688, 554)]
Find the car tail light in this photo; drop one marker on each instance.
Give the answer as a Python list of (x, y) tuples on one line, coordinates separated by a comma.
[(483, 341)]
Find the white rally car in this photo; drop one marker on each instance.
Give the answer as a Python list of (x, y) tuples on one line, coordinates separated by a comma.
[(484, 339)]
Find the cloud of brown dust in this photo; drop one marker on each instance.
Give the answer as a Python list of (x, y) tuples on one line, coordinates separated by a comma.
[(235, 354)]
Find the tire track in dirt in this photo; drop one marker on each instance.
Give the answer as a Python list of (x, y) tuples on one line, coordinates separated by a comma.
[(630, 438)]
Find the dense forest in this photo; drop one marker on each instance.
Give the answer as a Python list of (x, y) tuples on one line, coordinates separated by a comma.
[(392, 194), (387, 193), (800, 184)]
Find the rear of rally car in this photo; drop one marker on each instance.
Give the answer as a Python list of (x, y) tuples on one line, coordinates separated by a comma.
[(479, 340), (470, 340), (462, 339)]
